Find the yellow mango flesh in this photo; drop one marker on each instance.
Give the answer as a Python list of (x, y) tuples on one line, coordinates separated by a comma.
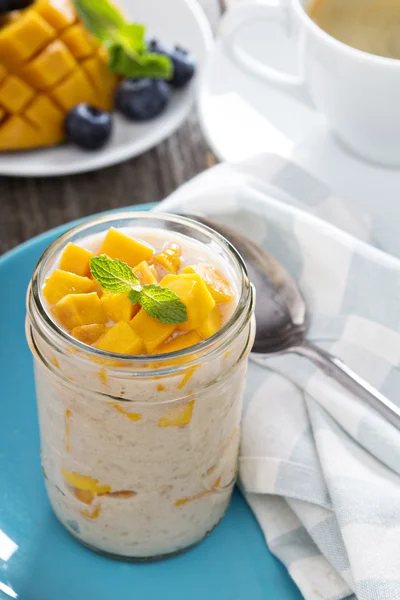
[(217, 285), (118, 307), (76, 260), (89, 334), (145, 273), (211, 325), (193, 292), (186, 340), (152, 332), (170, 258), (118, 245), (80, 309), (85, 483), (61, 283), (46, 52), (121, 339), (177, 416)]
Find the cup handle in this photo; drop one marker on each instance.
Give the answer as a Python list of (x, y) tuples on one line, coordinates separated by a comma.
[(243, 15)]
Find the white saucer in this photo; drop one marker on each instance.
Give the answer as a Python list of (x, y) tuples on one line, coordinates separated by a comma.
[(183, 23), (242, 116)]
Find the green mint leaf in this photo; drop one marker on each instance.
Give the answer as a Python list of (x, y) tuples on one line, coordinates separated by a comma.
[(132, 38), (100, 17), (152, 65), (134, 296), (113, 275), (163, 304)]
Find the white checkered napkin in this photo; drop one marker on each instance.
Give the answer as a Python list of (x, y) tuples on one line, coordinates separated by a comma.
[(319, 469)]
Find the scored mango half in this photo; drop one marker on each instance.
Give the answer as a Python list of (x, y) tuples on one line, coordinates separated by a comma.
[(49, 63)]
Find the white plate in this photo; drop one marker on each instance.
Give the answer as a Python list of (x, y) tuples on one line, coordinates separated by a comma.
[(179, 22), (241, 116)]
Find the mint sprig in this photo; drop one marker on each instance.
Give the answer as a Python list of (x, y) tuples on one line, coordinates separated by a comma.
[(126, 43), (158, 302)]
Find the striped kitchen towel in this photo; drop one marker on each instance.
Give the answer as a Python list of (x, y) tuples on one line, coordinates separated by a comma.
[(320, 470)]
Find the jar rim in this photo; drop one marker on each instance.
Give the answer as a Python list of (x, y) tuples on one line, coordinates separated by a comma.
[(244, 300)]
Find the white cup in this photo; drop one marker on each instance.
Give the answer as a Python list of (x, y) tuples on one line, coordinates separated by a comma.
[(359, 93)]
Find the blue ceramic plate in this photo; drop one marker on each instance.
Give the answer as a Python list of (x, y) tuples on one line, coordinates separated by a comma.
[(39, 560)]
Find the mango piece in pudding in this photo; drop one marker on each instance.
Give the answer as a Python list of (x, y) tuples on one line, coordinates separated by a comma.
[(130, 251), (218, 287), (180, 342), (145, 273), (121, 339), (61, 283), (211, 325), (152, 332), (80, 309), (89, 334), (193, 292), (177, 416), (76, 260), (170, 258), (118, 307), (85, 482)]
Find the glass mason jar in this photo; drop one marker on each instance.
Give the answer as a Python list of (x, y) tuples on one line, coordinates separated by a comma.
[(139, 453)]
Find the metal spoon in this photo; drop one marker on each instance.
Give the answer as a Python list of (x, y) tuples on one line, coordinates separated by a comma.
[(282, 323)]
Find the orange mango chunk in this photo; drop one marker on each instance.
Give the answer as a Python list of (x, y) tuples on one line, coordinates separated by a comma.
[(89, 334), (52, 65), (193, 292), (76, 260), (15, 94), (79, 41), (23, 38), (59, 13), (61, 283), (80, 309), (217, 285), (211, 325), (121, 339), (130, 251), (145, 273), (177, 416), (152, 332), (84, 482), (118, 307), (74, 89), (131, 416), (170, 258), (180, 342)]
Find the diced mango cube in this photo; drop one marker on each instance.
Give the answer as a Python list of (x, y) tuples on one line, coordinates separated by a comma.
[(177, 416), (118, 307), (74, 90), (170, 258), (45, 114), (102, 79), (89, 334), (52, 65), (121, 339), (193, 292), (76, 259), (79, 41), (186, 340), (61, 283), (152, 332), (145, 273), (15, 94), (59, 13), (118, 245), (211, 325), (85, 482), (217, 285), (80, 309), (23, 38)]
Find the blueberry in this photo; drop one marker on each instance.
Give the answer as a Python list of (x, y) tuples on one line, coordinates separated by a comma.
[(88, 127), (9, 5), (183, 62), (142, 99)]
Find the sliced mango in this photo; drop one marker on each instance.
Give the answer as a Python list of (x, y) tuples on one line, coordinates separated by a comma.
[(89, 334), (121, 339), (186, 340), (73, 90), (80, 309), (52, 65), (24, 37), (170, 258), (102, 79), (79, 41), (145, 273), (193, 292), (58, 13), (61, 283), (47, 117), (217, 285), (15, 94), (152, 332), (84, 482), (211, 325), (118, 307), (118, 245), (178, 416), (76, 259)]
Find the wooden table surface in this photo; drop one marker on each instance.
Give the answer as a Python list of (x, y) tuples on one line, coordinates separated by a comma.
[(30, 206)]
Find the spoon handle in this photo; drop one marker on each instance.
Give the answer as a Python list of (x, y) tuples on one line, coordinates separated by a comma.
[(338, 370)]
